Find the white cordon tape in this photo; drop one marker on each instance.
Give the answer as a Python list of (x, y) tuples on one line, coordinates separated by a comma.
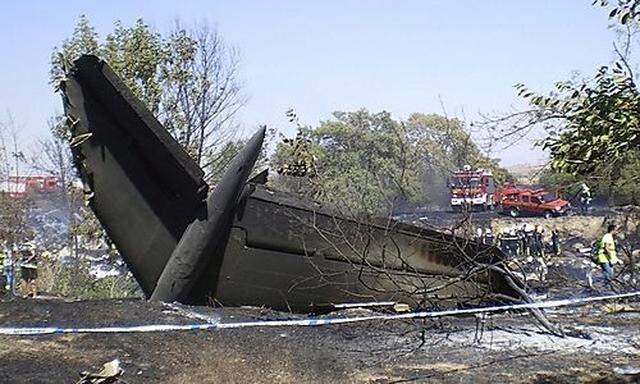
[(364, 305), (25, 331)]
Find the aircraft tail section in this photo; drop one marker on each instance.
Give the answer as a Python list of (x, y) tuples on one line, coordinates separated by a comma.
[(143, 187)]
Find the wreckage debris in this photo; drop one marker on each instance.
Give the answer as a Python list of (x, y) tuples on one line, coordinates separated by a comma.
[(242, 243), (109, 373)]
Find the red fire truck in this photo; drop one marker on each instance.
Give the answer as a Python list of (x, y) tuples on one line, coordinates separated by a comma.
[(472, 189), (20, 186)]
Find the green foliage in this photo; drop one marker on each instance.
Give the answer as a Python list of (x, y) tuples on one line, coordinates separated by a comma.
[(600, 118), (626, 187), (136, 54), (446, 146), (84, 40), (369, 163), (553, 180), (362, 161), (619, 185), (188, 80), (625, 11)]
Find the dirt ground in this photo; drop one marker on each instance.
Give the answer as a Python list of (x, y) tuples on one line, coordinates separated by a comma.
[(604, 343)]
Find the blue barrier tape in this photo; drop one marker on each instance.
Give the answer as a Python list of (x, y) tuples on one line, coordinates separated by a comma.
[(30, 331)]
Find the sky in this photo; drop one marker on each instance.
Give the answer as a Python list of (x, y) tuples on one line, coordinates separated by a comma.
[(460, 57)]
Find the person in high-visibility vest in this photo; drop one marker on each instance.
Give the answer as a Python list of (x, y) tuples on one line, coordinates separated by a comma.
[(607, 257)]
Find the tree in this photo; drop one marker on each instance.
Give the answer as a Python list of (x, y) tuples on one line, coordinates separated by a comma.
[(447, 146), (136, 54), (371, 163), (189, 80), (593, 124), (14, 228), (361, 160), (202, 93), (84, 39), (600, 121)]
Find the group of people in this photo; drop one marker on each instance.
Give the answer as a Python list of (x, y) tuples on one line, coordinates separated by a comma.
[(527, 240), (18, 265)]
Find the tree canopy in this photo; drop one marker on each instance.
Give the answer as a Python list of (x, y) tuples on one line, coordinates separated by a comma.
[(591, 124), (370, 163), (598, 118), (188, 79)]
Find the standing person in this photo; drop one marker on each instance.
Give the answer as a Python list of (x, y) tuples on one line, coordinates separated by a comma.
[(527, 234), (585, 198), (479, 235), (8, 271), (537, 241), (555, 242), (506, 242), (3, 280), (537, 251), (607, 256), (489, 238), (510, 242)]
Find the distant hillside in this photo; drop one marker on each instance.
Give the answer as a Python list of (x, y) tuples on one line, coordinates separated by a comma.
[(526, 173)]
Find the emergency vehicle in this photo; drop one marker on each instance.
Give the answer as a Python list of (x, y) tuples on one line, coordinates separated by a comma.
[(472, 189), (524, 201)]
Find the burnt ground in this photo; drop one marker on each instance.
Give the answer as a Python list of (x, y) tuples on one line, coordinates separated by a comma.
[(603, 340)]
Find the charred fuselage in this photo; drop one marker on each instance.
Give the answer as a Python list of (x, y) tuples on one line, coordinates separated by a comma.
[(240, 243)]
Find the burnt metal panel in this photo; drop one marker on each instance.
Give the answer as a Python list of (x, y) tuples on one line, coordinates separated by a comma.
[(302, 283), (293, 255)]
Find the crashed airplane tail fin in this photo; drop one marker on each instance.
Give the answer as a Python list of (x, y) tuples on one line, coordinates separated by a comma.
[(143, 187), (243, 244)]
